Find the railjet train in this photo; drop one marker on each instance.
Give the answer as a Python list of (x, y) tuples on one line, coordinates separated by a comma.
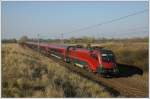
[(94, 59)]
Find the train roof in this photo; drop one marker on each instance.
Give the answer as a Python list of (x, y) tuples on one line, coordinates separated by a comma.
[(48, 45), (58, 46)]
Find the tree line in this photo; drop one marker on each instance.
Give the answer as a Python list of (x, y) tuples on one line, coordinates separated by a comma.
[(73, 40)]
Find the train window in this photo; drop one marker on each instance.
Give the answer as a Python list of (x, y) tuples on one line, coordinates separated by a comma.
[(94, 56), (107, 57)]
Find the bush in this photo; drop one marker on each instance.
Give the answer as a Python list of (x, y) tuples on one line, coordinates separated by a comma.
[(131, 53)]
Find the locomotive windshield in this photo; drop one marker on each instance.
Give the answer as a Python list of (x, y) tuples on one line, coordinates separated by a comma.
[(107, 57)]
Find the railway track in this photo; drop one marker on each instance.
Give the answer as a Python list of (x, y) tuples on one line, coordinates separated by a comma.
[(113, 84), (116, 85)]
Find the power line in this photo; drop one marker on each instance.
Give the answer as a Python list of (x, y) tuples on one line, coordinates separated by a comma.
[(106, 22), (125, 31), (110, 21), (134, 33), (131, 29), (128, 30)]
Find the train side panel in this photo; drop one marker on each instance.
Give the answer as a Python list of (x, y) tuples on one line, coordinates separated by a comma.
[(83, 57)]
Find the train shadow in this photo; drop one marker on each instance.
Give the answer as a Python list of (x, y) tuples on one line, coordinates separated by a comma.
[(127, 70)]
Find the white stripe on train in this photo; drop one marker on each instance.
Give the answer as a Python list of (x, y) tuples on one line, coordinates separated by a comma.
[(79, 65), (56, 56)]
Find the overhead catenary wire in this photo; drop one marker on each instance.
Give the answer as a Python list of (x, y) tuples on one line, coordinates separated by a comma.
[(108, 22), (123, 31), (103, 23), (134, 33), (126, 31), (135, 29)]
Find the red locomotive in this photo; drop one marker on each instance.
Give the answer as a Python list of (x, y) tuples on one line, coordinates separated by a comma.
[(98, 60)]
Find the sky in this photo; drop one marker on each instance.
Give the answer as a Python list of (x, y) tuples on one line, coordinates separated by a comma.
[(50, 19)]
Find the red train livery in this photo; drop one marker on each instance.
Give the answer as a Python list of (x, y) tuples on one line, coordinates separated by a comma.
[(98, 60)]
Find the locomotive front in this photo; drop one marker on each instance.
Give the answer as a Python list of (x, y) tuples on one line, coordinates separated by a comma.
[(107, 62)]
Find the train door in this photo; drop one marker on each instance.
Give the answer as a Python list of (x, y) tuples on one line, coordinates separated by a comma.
[(67, 53)]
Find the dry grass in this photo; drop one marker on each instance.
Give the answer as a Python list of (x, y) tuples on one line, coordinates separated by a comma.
[(135, 53), (26, 74)]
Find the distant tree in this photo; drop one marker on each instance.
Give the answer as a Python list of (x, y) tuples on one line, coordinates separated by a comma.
[(72, 40), (9, 41), (88, 40), (22, 40)]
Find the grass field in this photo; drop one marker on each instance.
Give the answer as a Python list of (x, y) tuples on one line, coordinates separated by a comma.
[(28, 74), (25, 73)]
